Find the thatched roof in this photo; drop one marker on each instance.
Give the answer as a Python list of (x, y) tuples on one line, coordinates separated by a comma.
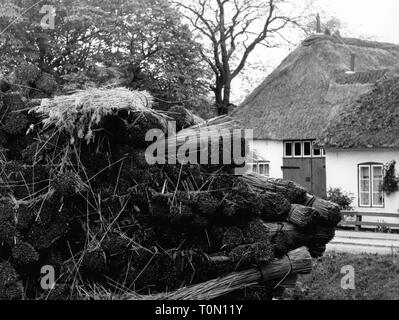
[(300, 98), (370, 122)]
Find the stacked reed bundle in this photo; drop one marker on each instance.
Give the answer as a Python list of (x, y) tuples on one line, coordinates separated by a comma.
[(184, 118), (311, 214), (115, 220), (294, 263), (218, 142), (291, 190)]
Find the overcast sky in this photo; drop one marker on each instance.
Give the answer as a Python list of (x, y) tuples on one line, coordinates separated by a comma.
[(367, 19), (374, 18)]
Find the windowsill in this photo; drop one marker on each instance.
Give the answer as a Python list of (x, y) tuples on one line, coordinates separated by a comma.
[(371, 207), (305, 157)]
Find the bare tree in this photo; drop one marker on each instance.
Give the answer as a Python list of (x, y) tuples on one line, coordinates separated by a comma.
[(233, 28)]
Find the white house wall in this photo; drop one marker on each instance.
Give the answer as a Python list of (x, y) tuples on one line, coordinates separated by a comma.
[(270, 150), (342, 172)]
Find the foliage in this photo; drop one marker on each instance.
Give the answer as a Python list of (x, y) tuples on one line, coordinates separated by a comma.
[(337, 196), (383, 228), (376, 278), (390, 183), (135, 43)]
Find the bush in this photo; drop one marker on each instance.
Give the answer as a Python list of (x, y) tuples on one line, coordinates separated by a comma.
[(344, 200), (390, 183)]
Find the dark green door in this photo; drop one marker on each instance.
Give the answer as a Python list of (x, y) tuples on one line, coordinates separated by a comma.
[(308, 172)]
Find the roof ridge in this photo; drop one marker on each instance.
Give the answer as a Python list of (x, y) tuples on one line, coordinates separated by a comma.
[(349, 41)]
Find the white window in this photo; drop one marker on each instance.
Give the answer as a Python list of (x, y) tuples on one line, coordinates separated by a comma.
[(303, 149), (370, 185), (262, 168), (307, 149), (318, 151), (297, 149), (288, 149)]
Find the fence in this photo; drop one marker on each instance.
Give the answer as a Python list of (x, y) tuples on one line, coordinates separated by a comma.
[(358, 223)]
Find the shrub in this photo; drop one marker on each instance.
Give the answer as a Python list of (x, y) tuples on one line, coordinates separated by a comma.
[(344, 200), (390, 183)]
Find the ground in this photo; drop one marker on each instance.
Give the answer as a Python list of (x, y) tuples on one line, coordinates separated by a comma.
[(376, 278)]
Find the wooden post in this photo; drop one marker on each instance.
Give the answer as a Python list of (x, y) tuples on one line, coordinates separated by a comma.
[(353, 62), (358, 219)]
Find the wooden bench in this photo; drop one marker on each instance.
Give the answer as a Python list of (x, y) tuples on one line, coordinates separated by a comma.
[(359, 223)]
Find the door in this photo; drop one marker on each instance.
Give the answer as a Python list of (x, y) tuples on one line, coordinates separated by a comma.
[(308, 172)]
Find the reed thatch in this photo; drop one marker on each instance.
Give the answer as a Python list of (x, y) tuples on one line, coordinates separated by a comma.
[(300, 98), (370, 122)]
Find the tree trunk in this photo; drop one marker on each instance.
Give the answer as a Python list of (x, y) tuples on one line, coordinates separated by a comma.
[(218, 90), (222, 94), (226, 96)]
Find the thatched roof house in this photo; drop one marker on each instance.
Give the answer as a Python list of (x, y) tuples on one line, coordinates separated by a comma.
[(362, 145), (300, 98), (291, 109), (370, 122)]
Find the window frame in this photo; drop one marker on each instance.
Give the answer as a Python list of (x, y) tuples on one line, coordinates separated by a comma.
[(370, 167), (257, 164), (311, 149), (285, 149), (302, 143), (293, 149), (314, 147)]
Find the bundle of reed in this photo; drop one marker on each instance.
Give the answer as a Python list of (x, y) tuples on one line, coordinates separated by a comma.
[(292, 191), (139, 124), (294, 236), (81, 113), (284, 236), (295, 262), (329, 212), (214, 142), (303, 217), (317, 250), (184, 118), (324, 235), (273, 206), (222, 121)]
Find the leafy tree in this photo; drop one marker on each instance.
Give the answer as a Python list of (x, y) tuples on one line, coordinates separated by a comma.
[(155, 50), (137, 43)]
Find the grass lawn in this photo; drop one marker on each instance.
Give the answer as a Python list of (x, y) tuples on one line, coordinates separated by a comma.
[(376, 278)]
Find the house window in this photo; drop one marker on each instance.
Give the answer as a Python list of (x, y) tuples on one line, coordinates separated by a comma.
[(307, 149), (370, 185), (297, 149), (262, 168), (317, 152), (288, 149)]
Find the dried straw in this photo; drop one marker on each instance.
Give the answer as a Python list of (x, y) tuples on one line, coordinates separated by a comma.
[(295, 262), (207, 143), (303, 217), (79, 112), (292, 191)]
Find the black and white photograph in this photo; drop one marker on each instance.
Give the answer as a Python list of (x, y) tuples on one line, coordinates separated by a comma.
[(233, 154)]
